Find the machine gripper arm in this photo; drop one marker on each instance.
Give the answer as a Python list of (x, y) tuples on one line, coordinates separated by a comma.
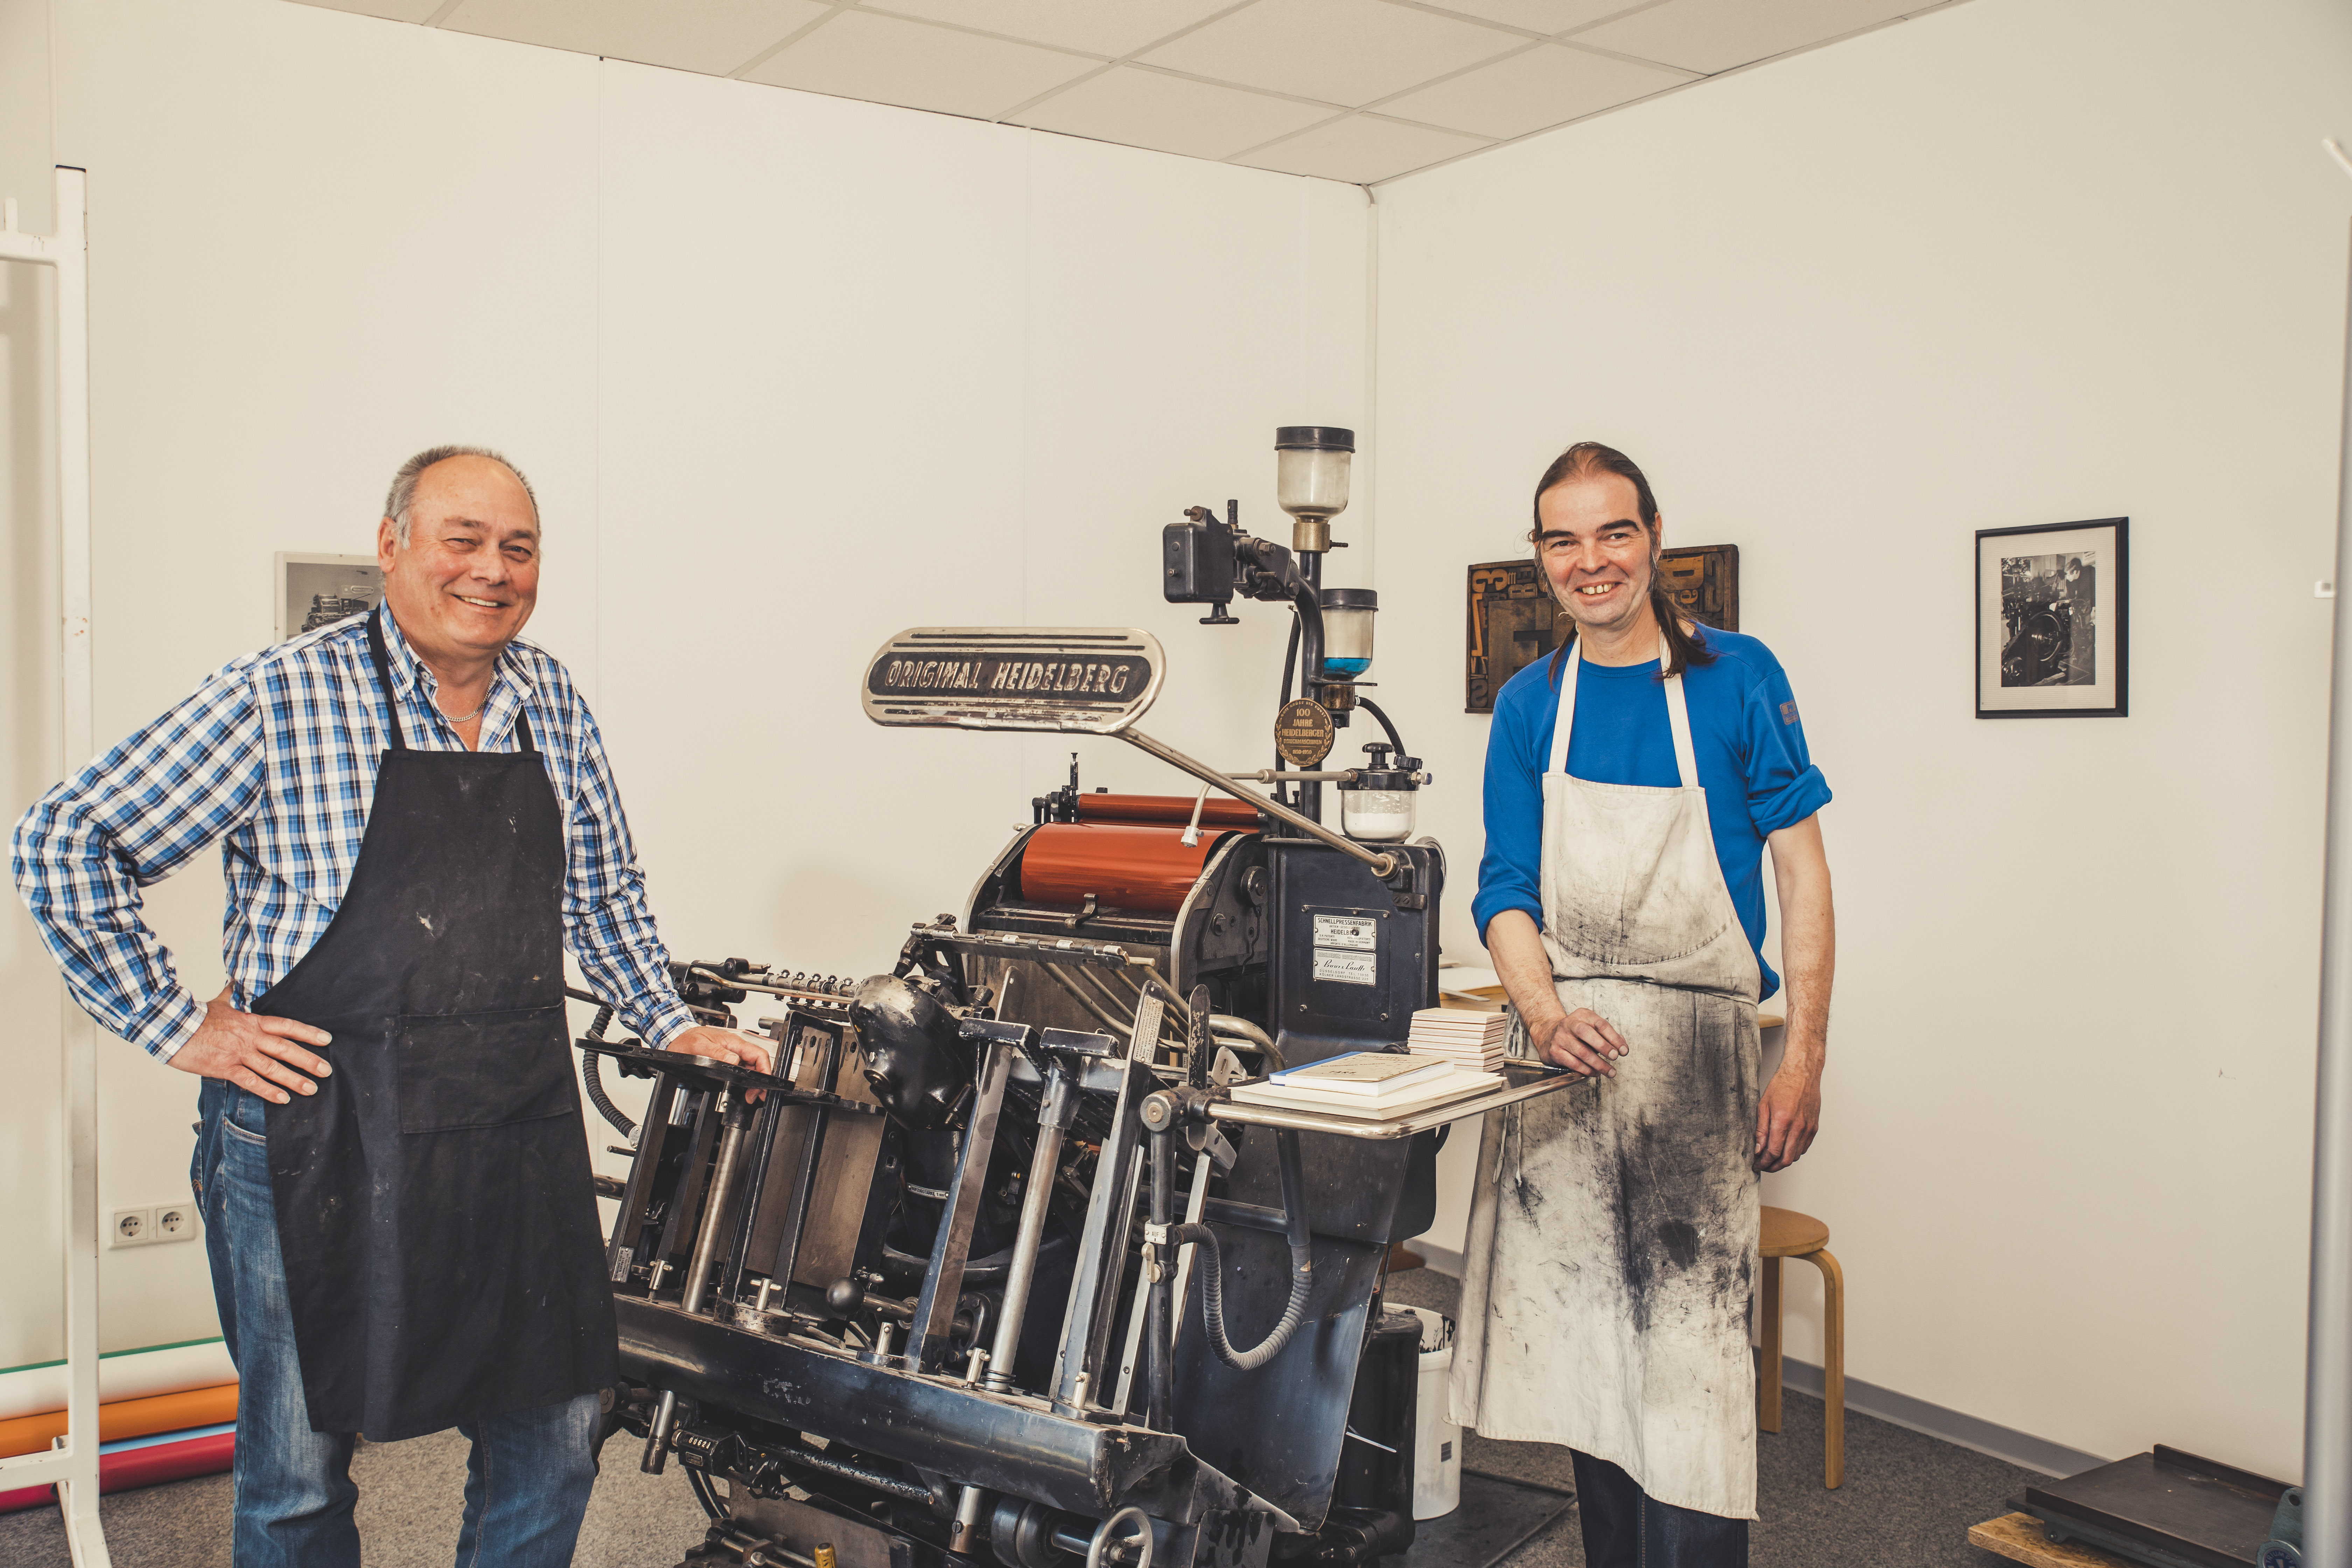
[(1381, 866)]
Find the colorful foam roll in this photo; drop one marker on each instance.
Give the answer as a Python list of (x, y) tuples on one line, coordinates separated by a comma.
[(146, 1461), (126, 1418)]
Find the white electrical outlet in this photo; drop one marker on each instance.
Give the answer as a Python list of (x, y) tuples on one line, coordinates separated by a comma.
[(162, 1222)]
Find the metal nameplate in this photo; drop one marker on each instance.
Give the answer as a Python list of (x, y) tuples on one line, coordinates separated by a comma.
[(1347, 968), (1359, 933), (1093, 680)]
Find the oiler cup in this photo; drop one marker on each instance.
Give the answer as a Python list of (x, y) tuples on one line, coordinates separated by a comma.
[(1377, 805), (1311, 479), (1347, 631)]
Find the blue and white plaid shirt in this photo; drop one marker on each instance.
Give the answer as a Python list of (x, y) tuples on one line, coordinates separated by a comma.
[(275, 756)]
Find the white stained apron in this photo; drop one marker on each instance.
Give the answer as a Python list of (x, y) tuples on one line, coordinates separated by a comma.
[(1612, 1235)]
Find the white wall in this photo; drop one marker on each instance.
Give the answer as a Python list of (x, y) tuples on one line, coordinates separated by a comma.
[(2019, 261), (790, 372)]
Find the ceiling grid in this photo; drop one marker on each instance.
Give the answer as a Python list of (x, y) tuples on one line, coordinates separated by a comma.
[(1357, 91)]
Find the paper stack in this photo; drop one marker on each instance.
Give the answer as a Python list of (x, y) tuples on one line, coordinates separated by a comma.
[(1376, 1086), (1462, 1035)]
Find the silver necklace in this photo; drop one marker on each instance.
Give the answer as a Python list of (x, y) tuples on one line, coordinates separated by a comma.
[(463, 718)]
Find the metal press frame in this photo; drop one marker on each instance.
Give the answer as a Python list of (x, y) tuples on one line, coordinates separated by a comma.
[(2328, 1371), (73, 1464)]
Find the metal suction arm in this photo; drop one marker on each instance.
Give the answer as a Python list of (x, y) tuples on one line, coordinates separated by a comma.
[(1381, 866)]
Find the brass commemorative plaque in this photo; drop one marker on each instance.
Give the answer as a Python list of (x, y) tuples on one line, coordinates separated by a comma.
[(1303, 733)]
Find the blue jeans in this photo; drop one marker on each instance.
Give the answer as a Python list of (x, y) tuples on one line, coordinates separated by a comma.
[(527, 1480), (1624, 1527)]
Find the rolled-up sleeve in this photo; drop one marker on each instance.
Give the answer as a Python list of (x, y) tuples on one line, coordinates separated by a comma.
[(605, 915), (80, 855), (1510, 871), (1784, 787)]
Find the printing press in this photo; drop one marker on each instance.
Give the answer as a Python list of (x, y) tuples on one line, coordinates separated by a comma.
[(993, 1269)]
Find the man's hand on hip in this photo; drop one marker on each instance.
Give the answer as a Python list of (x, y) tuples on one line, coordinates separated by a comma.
[(253, 1051), (724, 1046)]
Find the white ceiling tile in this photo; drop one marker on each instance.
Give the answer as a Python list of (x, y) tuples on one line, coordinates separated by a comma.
[(883, 59), (1112, 27), (390, 10), (714, 37), (1361, 149), (1710, 35), (1170, 114), (1338, 51), (1540, 16), (1544, 86)]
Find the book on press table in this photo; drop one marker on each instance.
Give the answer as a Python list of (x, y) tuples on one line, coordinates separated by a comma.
[(1467, 1036), (1377, 1086)]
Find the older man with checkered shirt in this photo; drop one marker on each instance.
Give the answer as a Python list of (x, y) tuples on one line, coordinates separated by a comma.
[(416, 817)]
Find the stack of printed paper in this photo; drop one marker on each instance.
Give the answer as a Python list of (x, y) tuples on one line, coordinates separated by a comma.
[(1462, 1035), (1377, 1085)]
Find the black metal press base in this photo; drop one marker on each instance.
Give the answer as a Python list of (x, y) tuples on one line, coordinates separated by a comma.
[(1496, 1518), (2167, 1509)]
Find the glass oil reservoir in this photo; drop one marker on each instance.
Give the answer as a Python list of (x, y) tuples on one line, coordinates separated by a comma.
[(1377, 805), (1347, 631), (1311, 479)]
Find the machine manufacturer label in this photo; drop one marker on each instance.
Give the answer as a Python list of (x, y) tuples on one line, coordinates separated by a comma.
[(1095, 680), (1347, 968), (1358, 933)]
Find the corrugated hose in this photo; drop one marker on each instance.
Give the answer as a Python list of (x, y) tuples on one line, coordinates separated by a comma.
[(1211, 1271), (594, 1084)]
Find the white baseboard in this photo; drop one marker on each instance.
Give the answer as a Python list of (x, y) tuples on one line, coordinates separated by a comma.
[(2005, 1443), (1438, 1260)]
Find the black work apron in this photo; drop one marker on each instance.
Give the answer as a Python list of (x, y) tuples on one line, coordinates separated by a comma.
[(435, 1200)]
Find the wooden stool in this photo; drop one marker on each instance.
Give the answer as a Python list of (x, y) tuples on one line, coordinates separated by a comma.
[(1788, 1233)]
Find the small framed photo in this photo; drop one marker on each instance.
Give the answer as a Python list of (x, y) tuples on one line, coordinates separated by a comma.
[(314, 591), (2053, 631)]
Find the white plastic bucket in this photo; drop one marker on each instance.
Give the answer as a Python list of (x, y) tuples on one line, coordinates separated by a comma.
[(1437, 1441)]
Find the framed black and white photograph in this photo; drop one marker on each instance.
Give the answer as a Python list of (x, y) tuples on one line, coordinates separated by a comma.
[(314, 591), (2052, 631)]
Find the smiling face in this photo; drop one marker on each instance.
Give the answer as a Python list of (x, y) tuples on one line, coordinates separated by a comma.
[(1596, 553), (465, 582)]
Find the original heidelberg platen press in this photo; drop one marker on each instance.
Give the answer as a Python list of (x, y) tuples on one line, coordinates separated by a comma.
[(994, 1268)]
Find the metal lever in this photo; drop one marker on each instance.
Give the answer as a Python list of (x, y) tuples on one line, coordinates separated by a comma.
[(1057, 1107), (1381, 866)]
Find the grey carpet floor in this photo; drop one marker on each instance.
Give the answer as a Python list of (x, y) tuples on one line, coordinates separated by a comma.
[(1908, 1500), (412, 1496)]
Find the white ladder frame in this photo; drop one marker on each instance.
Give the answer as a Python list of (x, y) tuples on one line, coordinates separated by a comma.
[(73, 1464)]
